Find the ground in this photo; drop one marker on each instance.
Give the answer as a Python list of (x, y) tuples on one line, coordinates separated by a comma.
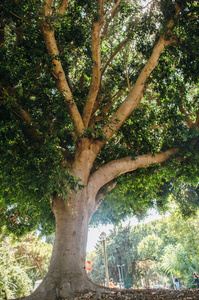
[(153, 294)]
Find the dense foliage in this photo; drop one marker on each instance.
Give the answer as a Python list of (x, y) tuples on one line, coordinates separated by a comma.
[(35, 122)]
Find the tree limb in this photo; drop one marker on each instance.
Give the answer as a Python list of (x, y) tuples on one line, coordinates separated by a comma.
[(111, 10), (188, 120), (102, 193), (106, 108), (135, 95), (58, 72), (105, 29), (114, 54), (96, 74), (115, 168), (62, 8), (96, 55)]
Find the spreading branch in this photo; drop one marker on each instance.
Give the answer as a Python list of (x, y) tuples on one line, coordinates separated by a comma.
[(111, 11), (135, 95), (102, 193), (118, 167), (57, 69), (96, 56), (108, 21), (96, 74), (117, 50)]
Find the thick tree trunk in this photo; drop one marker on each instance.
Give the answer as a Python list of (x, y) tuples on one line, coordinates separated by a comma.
[(67, 275)]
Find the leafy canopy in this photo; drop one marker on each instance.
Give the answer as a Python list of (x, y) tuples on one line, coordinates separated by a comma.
[(37, 131)]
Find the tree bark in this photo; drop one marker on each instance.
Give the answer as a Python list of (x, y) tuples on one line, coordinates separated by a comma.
[(67, 276)]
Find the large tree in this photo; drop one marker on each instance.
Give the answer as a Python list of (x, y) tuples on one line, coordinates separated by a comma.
[(90, 91)]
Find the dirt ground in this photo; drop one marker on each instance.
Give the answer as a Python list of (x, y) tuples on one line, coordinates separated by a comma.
[(148, 294)]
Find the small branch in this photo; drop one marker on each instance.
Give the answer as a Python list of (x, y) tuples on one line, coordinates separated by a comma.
[(104, 33), (106, 108), (23, 114), (127, 74), (14, 14), (120, 46), (33, 258), (62, 8), (30, 130), (114, 54), (102, 193), (188, 120), (112, 10)]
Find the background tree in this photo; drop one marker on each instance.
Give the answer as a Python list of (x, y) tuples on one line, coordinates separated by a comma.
[(181, 248), (157, 251), (23, 261), (91, 91)]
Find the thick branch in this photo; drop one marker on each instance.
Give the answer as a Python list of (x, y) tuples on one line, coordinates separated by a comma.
[(96, 55), (58, 72), (96, 75), (115, 168), (135, 95)]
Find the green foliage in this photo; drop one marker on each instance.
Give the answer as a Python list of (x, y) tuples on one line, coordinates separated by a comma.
[(23, 261), (14, 282), (165, 247), (150, 247), (33, 152)]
